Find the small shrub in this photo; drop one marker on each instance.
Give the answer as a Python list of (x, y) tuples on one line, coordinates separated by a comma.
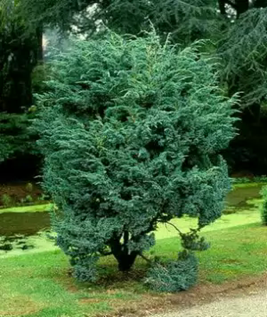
[(29, 187), (174, 276), (27, 200), (264, 206), (6, 200), (27, 247), (44, 197), (6, 247)]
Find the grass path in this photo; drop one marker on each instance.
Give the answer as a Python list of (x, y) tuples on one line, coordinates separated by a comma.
[(243, 306)]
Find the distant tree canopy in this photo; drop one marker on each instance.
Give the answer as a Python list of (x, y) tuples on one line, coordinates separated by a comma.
[(191, 19), (236, 27)]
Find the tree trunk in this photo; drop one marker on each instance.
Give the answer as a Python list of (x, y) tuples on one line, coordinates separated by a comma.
[(222, 7), (39, 50), (241, 6), (126, 261), (120, 251)]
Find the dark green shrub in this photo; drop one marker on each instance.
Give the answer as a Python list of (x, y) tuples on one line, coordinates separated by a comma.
[(39, 75), (174, 276), (6, 247), (29, 187), (6, 200), (28, 199)]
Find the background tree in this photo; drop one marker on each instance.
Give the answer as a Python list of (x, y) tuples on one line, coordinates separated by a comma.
[(19, 54), (131, 131), (242, 50), (239, 31), (186, 20)]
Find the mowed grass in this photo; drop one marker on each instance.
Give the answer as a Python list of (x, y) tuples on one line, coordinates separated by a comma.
[(24, 209), (235, 253), (39, 285), (247, 216)]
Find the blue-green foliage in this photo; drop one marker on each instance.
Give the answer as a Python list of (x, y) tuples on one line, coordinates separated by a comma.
[(131, 131), (174, 276)]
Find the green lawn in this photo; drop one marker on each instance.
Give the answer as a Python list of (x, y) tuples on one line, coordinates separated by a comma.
[(38, 285), (248, 216), (22, 209), (235, 252)]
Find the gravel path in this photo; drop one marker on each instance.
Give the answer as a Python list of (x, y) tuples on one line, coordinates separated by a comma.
[(254, 305)]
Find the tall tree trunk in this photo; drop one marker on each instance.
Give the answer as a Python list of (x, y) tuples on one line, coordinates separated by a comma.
[(39, 50)]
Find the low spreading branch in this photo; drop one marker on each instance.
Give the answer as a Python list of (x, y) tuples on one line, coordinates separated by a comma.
[(177, 229)]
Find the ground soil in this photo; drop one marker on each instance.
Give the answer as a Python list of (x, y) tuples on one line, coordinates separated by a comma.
[(172, 305), (244, 301)]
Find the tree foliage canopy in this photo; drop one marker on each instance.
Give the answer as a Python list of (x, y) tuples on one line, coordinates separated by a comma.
[(243, 51), (131, 131)]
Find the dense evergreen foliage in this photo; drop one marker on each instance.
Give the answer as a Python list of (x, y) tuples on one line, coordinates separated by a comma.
[(131, 131), (174, 276)]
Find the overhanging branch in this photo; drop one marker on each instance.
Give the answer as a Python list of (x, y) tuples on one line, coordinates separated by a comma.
[(144, 257), (177, 229)]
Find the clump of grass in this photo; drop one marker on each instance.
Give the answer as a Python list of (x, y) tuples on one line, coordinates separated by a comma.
[(27, 200)]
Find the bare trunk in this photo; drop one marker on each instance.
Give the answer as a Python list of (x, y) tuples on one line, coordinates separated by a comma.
[(120, 251)]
